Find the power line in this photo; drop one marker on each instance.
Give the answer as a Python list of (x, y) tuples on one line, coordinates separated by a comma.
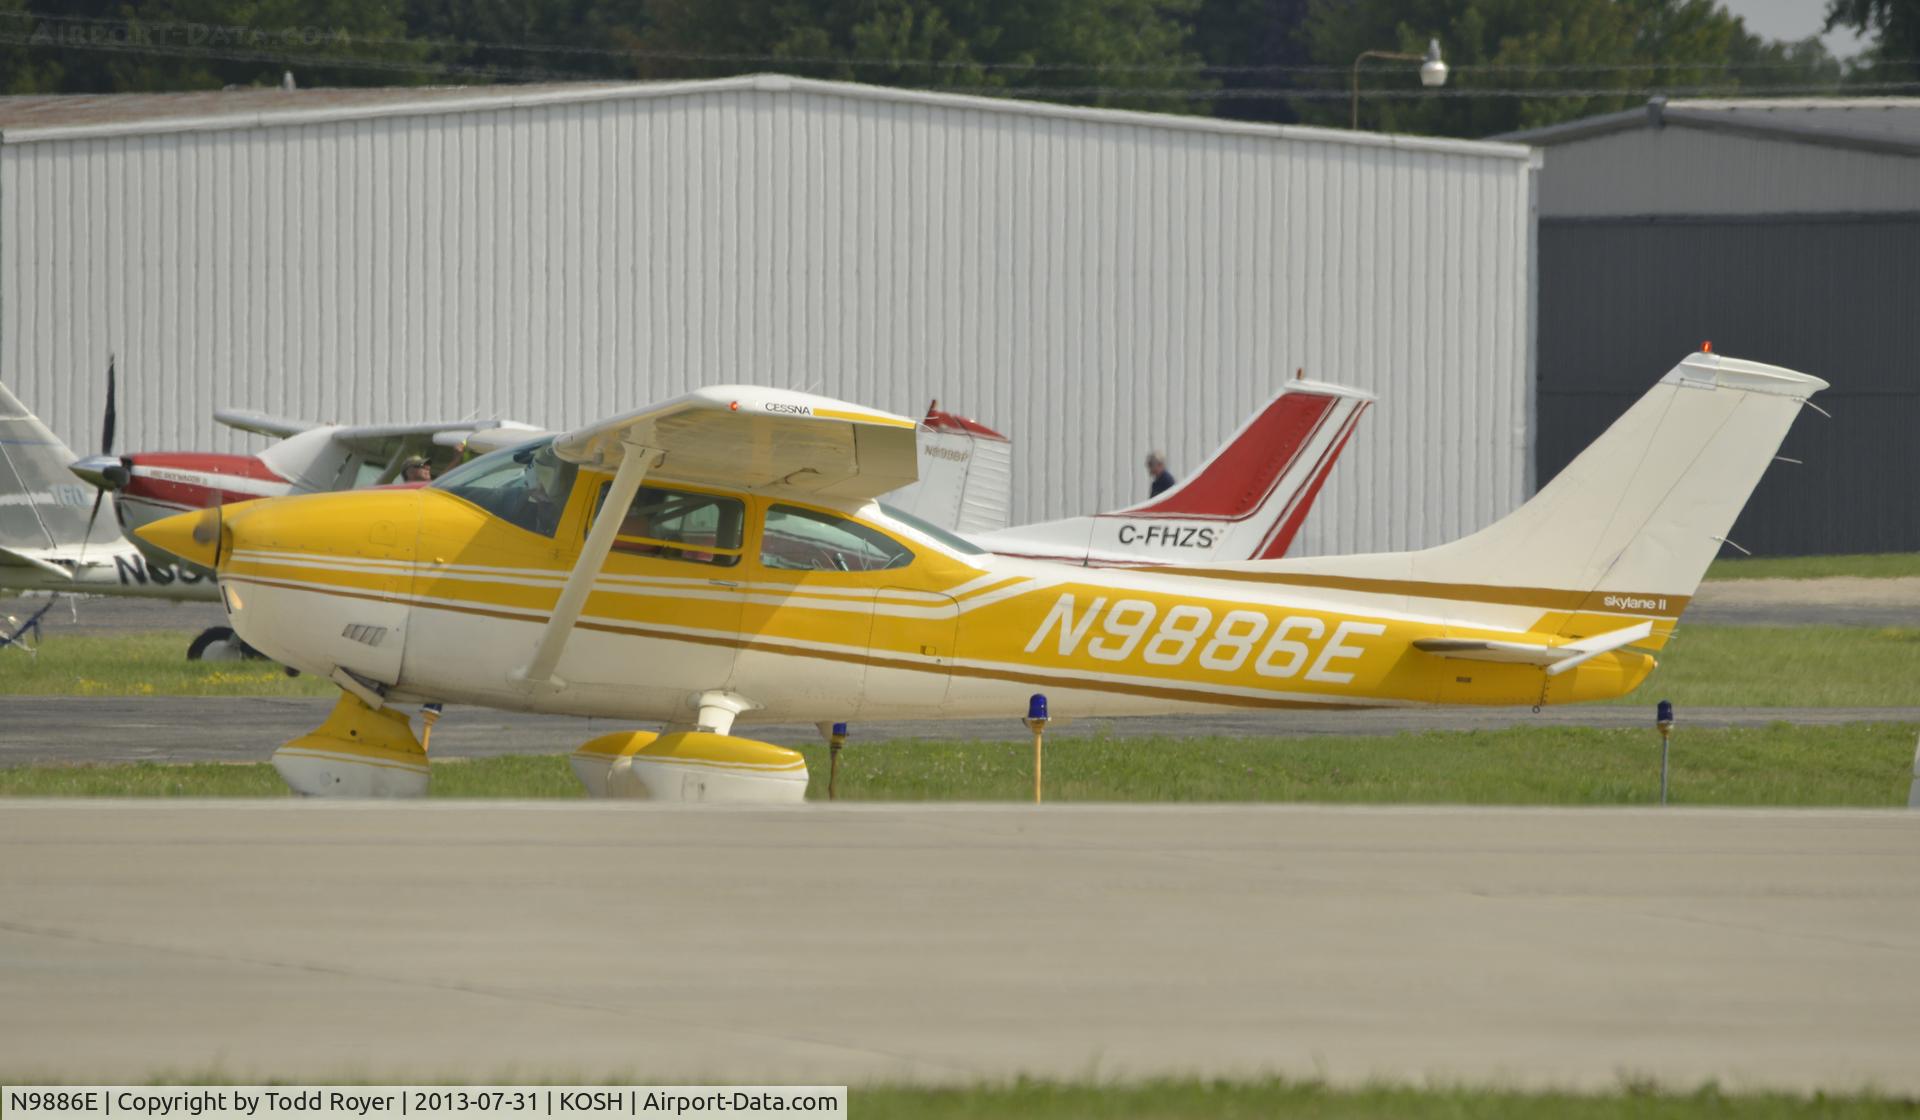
[(288, 58), (351, 62), (135, 28)]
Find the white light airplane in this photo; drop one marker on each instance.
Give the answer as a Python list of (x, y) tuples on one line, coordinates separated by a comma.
[(747, 574), (51, 538)]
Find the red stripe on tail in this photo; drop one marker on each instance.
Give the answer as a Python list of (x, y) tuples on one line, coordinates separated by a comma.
[(1238, 479), (1278, 544)]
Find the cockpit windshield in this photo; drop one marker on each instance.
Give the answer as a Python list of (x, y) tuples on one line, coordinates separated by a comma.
[(527, 485)]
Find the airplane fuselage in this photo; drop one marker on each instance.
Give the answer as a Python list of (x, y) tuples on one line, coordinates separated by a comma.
[(116, 571), (427, 596)]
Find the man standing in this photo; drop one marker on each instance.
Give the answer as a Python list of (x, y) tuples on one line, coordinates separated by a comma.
[(1157, 471)]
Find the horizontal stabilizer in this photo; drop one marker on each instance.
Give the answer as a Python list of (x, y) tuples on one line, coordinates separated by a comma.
[(1554, 659)]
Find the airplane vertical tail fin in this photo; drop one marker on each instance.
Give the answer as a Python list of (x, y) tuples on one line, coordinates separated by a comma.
[(1257, 489), (1629, 527), (966, 475), (1246, 502)]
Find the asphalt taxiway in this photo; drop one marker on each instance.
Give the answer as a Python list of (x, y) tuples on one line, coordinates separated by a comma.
[(112, 729), (830, 944)]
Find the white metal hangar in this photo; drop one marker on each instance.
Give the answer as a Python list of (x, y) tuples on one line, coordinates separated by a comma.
[(1096, 283)]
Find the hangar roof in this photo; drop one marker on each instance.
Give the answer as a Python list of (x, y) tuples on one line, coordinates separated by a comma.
[(1878, 124), (32, 117)]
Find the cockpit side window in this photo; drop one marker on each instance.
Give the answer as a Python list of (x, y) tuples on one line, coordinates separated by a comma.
[(808, 540), (526, 485), (680, 525)]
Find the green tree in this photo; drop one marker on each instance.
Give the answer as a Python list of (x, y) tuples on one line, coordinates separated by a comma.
[(1252, 48), (1131, 53), (1583, 56), (511, 40), (99, 46), (1895, 28)]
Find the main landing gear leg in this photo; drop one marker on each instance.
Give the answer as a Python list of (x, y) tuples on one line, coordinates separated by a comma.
[(358, 752)]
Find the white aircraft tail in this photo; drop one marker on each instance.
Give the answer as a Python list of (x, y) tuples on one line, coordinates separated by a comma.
[(1246, 502), (966, 475), (1628, 528), (44, 509)]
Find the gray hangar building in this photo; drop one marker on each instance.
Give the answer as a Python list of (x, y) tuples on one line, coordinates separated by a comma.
[(1786, 231), (1095, 283)]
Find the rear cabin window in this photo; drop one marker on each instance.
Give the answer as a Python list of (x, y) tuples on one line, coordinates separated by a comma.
[(680, 525), (806, 540)]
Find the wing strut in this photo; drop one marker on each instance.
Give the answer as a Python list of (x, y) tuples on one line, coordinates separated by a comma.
[(634, 464)]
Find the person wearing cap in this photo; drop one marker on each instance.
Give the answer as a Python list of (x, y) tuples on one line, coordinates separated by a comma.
[(1157, 471), (416, 469)]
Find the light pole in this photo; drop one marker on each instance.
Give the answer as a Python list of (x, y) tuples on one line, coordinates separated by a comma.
[(1433, 71)]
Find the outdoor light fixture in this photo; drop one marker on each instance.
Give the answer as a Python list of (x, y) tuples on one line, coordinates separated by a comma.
[(1433, 70)]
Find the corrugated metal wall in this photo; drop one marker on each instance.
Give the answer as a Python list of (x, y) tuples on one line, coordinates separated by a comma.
[(1622, 300), (1680, 170), (1095, 284)]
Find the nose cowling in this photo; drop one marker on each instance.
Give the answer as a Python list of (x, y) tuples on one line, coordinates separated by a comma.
[(198, 537)]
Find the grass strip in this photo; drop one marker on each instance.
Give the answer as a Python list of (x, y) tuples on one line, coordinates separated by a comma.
[(1866, 565), (1780, 764)]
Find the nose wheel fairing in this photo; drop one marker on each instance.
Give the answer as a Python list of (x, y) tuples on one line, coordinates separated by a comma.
[(358, 752)]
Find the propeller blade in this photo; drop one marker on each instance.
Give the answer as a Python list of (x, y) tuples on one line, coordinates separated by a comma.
[(112, 413), (98, 497)]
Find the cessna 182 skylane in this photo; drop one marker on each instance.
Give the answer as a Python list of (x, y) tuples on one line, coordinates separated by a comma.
[(744, 573)]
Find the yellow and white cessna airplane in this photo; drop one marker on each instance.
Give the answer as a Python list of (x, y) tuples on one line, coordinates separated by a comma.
[(747, 574)]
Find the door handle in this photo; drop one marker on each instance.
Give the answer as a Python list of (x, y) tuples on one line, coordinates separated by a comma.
[(724, 583)]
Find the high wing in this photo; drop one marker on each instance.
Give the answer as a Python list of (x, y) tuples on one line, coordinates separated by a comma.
[(261, 424), (480, 442), (383, 441), (737, 437), (746, 438), (327, 456)]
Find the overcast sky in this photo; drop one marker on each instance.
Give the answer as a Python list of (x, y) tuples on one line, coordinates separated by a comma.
[(1793, 19)]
